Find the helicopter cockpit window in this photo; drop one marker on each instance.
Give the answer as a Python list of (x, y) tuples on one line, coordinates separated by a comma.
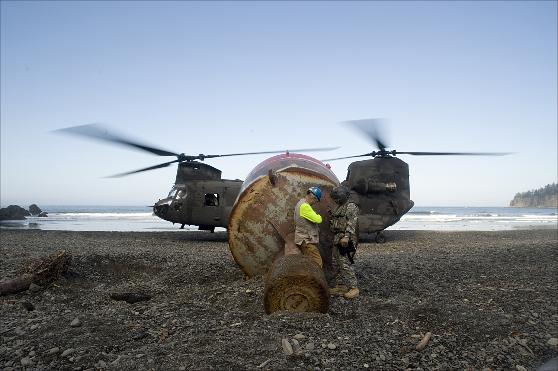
[(177, 193), (211, 199), (172, 192)]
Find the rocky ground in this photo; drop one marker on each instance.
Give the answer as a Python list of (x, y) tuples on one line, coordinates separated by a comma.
[(489, 299)]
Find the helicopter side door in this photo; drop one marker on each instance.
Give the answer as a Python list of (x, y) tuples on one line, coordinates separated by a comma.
[(206, 205)]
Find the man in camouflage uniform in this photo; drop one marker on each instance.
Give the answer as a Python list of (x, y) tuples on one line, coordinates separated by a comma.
[(343, 224)]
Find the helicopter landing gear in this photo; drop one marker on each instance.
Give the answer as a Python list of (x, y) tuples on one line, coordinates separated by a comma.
[(212, 229), (380, 237), (182, 226)]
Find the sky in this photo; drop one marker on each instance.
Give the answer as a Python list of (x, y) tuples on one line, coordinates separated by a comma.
[(230, 77)]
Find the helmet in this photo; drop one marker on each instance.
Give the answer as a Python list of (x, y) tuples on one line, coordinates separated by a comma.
[(316, 191), (340, 194)]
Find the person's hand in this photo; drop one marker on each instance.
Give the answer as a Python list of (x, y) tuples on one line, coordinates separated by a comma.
[(344, 241)]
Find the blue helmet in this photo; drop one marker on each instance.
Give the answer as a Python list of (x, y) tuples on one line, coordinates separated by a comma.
[(316, 191)]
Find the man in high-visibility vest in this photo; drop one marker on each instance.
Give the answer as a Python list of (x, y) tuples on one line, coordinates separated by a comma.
[(307, 223)]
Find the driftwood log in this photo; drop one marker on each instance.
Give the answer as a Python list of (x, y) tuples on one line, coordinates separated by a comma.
[(422, 344), (40, 272), (295, 283)]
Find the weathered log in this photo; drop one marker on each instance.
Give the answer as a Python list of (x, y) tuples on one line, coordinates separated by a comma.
[(40, 272), (296, 283), (50, 268), (15, 285)]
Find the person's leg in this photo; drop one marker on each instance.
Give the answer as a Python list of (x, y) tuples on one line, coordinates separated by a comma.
[(340, 287), (349, 278), (313, 253)]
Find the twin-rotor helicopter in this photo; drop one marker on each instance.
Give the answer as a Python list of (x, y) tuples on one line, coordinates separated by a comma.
[(200, 197)]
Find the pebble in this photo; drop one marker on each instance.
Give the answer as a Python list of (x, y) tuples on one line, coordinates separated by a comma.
[(115, 362), (19, 331), (310, 346), (101, 364), (296, 345), (552, 342), (34, 287), (52, 351), (67, 352), (287, 347), (299, 337), (366, 365), (29, 306), (331, 346), (26, 361), (76, 322), (520, 368)]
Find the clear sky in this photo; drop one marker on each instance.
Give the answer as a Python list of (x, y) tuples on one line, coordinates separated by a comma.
[(228, 77)]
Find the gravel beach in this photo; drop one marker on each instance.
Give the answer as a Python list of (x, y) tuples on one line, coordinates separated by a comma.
[(488, 300)]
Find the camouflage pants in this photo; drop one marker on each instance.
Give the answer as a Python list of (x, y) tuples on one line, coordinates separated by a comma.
[(345, 273)]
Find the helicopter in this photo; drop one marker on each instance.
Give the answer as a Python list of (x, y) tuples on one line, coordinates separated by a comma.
[(380, 186), (199, 195)]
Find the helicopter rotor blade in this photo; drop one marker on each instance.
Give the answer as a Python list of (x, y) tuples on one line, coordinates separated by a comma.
[(371, 128), (97, 131), (453, 153), (201, 157), (164, 164), (342, 158)]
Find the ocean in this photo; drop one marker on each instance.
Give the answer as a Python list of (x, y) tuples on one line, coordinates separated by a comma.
[(141, 219)]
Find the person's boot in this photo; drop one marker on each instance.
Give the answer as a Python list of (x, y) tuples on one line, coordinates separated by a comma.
[(338, 290), (352, 293)]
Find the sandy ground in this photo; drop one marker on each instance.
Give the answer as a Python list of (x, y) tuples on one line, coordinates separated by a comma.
[(490, 300)]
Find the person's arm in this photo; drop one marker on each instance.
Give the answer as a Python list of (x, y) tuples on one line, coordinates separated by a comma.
[(308, 213), (352, 220)]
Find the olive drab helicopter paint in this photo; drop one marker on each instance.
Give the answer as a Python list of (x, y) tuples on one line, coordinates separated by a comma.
[(200, 197)]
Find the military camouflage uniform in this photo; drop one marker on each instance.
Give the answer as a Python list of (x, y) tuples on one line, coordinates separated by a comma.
[(344, 223)]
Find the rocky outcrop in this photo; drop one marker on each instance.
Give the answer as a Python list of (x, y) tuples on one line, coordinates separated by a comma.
[(13, 212), (35, 210), (546, 196)]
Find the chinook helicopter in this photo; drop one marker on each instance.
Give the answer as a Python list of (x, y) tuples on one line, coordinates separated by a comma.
[(199, 196), (380, 186)]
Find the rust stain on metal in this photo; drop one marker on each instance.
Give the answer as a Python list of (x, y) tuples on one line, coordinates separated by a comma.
[(261, 222)]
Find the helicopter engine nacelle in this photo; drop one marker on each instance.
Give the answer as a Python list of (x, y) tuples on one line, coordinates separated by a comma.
[(364, 186), (195, 170)]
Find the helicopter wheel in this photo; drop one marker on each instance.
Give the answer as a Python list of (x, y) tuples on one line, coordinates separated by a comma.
[(380, 237)]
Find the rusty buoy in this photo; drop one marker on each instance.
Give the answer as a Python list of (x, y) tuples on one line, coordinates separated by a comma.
[(296, 283), (261, 232)]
